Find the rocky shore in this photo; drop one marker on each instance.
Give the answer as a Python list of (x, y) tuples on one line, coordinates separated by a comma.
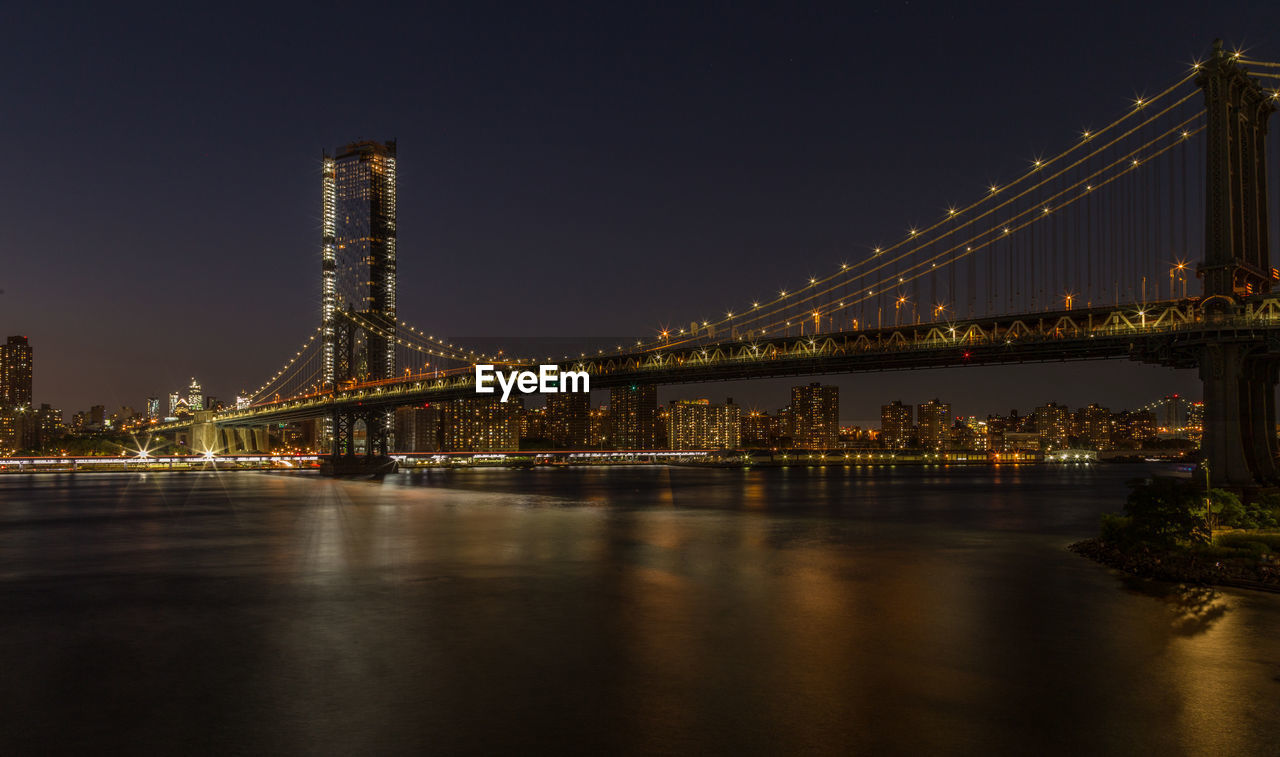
[(1184, 566)]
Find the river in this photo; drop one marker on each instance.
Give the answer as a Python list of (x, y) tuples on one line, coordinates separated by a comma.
[(623, 610)]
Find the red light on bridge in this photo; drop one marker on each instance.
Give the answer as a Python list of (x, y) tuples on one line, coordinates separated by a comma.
[(966, 355)]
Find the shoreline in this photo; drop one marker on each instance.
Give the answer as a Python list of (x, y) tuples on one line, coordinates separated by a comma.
[(91, 467), (1180, 566)]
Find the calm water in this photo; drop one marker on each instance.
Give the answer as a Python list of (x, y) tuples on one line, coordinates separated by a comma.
[(609, 611)]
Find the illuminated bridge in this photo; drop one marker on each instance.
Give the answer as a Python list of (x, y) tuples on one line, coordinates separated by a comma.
[(1086, 255)]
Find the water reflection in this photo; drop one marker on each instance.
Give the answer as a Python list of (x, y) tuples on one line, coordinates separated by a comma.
[(645, 610)]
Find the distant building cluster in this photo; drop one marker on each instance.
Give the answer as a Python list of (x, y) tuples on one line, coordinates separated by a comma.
[(632, 419), (182, 404), (1051, 427), (23, 425)]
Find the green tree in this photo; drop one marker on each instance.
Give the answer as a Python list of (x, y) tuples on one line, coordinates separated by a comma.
[(1166, 511)]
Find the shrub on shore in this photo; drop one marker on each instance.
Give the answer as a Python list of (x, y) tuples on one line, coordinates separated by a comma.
[(1169, 512), (1170, 530), (1164, 511)]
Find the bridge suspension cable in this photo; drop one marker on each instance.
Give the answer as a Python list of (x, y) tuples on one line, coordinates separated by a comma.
[(302, 355), (1033, 204), (1052, 201)]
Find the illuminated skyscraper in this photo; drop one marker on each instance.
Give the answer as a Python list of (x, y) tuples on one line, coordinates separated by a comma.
[(358, 262), (195, 396), (1053, 424), (896, 431), (934, 421), (481, 424), (419, 429), (815, 416), (568, 419), (633, 411), (1093, 426), (15, 373), (153, 408), (698, 424)]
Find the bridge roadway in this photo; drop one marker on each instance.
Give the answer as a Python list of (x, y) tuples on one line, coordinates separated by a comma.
[(1171, 333)]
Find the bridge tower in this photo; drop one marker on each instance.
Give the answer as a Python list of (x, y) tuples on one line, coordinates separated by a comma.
[(1239, 444), (358, 283)]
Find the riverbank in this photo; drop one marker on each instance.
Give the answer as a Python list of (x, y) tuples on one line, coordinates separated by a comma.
[(1210, 566)]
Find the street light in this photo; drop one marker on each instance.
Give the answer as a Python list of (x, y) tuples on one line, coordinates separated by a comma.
[(1180, 269)]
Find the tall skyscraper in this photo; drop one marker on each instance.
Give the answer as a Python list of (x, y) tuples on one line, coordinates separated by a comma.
[(633, 411), (1053, 425), (481, 424), (815, 416), (568, 419), (934, 421), (896, 430), (419, 429), (15, 373), (153, 408), (49, 424), (195, 396), (1094, 426), (698, 424), (358, 261)]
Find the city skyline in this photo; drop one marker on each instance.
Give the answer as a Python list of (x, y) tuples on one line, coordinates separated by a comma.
[(273, 236), (763, 378)]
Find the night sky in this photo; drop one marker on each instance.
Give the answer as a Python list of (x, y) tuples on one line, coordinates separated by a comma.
[(603, 169)]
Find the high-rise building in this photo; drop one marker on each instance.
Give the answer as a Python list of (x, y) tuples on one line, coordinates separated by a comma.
[(1133, 427), (49, 425), (9, 431), (419, 429), (601, 428), (896, 431), (153, 408), (1053, 426), (195, 396), (633, 411), (15, 373), (568, 419), (760, 429), (1094, 426), (481, 424), (1195, 420), (815, 416), (533, 424), (972, 433), (934, 421), (698, 424), (358, 262), (997, 425)]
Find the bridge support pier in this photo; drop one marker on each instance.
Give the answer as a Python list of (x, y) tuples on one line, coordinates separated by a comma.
[(376, 428), (343, 460), (1239, 444)]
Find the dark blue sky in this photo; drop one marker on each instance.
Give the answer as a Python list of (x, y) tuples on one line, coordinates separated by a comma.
[(593, 169)]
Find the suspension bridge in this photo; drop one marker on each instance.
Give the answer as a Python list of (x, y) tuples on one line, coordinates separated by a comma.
[(1088, 254)]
